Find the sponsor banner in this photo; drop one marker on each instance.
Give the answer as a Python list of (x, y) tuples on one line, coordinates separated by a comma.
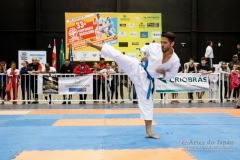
[(111, 28), (76, 85), (89, 56), (183, 82), (132, 34), (143, 34), (26, 55), (50, 84), (155, 25), (156, 35)]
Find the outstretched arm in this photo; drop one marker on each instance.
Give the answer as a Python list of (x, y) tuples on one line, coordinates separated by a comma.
[(89, 43)]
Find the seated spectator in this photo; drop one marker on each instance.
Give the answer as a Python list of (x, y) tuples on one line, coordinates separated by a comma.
[(107, 74), (67, 69), (49, 69), (3, 79), (114, 82), (3, 66), (202, 68), (81, 70), (175, 95), (233, 80), (191, 68), (224, 73), (213, 85), (238, 49), (13, 80), (234, 62), (35, 68), (25, 81), (101, 65), (96, 82)]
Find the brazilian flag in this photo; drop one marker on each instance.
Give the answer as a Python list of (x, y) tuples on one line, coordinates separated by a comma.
[(61, 56)]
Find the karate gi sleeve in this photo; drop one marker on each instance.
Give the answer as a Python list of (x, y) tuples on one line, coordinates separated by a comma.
[(172, 72), (145, 48)]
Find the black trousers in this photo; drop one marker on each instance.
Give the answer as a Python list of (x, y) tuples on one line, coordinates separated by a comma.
[(34, 86), (114, 89), (82, 96), (103, 84), (225, 90), (3, 91), (96, 89), (25, 88), (65, 97), (190, 95)]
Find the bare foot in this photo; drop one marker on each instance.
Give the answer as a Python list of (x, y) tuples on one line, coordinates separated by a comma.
[(152, 135)]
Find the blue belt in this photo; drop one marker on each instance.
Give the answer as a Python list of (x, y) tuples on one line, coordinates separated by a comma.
[(149, 77)]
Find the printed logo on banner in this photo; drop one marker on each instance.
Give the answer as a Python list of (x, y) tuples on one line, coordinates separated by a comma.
[(137, 18), (122, 34), (23, 56), (123, 44), (131, 25), (124, 18), (132, 34), (151, 17), (156, 35), (135, 43), (154, 25), (77, 81), (122, 25), (50, 85), (94, 54), (143, 34), (81, 30), (184, 82), (141, 25)]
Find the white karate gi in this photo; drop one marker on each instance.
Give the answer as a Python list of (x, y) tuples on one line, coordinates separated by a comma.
[(100, 27), (213, 86), (209, 54), (110, 28), (131, 66), (155, 56)]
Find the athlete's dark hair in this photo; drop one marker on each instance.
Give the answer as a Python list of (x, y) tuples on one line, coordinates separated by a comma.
[(209, 42), (170, 36)]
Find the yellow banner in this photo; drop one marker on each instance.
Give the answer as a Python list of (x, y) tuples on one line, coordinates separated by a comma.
[(127, 32)]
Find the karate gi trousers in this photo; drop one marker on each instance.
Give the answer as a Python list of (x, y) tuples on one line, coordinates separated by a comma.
[(131, 66)]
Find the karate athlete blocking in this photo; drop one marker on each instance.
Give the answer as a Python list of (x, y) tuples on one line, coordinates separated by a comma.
[(161, 61)]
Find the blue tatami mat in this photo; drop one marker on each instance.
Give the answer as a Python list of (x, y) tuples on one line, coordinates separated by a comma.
[(189, 131)]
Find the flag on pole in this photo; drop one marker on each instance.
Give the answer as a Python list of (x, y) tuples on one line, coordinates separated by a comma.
[(54, 55), (70, 57), (61, 56)]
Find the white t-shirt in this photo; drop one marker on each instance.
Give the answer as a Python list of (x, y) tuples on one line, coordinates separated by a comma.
[(209, 52), (52, 69), (10, 70), (105, 71)]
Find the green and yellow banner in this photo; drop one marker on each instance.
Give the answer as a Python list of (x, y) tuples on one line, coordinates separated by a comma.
[(127, 32)]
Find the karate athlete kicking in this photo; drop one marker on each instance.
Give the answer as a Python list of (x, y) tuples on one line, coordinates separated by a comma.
[(161, 61), (100, 29)]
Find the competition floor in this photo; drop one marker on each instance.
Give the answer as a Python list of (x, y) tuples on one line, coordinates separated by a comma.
[(115, 132)]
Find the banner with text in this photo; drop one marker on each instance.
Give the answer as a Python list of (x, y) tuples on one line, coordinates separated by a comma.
[(183, 82), (75, 85), (127, 32), (27, 55)]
